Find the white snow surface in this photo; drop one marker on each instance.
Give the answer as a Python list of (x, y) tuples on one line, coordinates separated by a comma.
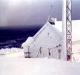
[(11, 52), (37, 66)]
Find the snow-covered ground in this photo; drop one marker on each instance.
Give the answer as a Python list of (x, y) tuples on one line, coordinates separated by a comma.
[(12, 52), (12, 62), (37, 66)]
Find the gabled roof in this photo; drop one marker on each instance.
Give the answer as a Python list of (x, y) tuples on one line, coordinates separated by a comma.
[(52, 27), (58, 29)]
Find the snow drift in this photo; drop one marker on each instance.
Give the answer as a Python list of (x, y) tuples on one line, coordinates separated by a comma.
[(37, 66), (11, 52)]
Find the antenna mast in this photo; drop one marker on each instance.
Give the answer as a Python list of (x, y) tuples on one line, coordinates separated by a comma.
[(67, 29)]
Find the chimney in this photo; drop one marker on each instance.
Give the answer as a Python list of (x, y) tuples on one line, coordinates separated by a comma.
[(52, 20)]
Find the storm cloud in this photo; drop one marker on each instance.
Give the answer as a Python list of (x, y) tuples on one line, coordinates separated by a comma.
[(15, 13)]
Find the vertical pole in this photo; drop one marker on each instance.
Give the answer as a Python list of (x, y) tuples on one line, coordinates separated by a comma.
[(67, 29)]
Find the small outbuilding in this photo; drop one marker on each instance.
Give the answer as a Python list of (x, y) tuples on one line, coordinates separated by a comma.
[(45, 43)]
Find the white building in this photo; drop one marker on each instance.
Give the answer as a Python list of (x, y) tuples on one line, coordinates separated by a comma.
[(47, 41)]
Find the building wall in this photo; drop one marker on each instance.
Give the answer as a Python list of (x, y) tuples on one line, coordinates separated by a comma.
[(47, 44)]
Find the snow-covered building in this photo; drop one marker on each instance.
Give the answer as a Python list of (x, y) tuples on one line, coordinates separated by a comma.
[(45, 43)]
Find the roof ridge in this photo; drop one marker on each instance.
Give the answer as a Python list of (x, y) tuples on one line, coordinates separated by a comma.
[(43, 27)]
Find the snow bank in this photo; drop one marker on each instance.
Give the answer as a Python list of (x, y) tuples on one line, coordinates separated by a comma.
[(22, 66), (11, 52)]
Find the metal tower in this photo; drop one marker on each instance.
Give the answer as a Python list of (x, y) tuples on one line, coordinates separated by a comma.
[(67, 28)]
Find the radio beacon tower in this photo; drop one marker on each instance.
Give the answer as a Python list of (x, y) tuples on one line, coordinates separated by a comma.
[(67, 29)]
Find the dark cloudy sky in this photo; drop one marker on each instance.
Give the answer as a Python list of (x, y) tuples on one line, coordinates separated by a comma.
[(16, 13)]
